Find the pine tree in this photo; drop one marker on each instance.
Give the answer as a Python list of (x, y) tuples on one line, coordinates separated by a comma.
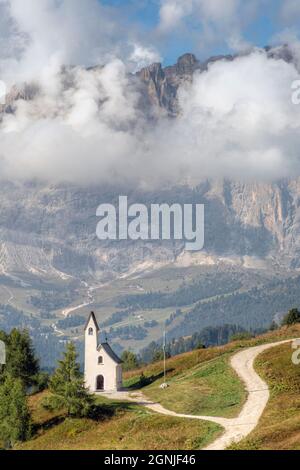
[(292, 317), (130, 361), (15, 420), (21, 362), (67, 387)]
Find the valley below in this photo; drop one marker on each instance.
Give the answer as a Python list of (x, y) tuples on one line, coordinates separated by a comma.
[(54, 270), (134, 308)]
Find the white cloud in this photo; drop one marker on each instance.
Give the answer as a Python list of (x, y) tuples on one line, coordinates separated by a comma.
[(82, 133), (86, 126), (172, 12), (215, 20), (68, 31), (45, 34), (290, 11), (143, 56), (238, 121)]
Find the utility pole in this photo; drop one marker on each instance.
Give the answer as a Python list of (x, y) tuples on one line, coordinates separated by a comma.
[(164, 385), (165, 371)]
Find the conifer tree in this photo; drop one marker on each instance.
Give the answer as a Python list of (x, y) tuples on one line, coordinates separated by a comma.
[(130, 361), (15, 420), (292, 317), (67, 387), (21, 362)]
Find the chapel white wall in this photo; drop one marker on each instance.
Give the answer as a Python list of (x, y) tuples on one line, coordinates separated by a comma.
[(111, 371)]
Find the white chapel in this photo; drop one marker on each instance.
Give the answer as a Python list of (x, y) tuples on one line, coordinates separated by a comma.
[(102, 367)]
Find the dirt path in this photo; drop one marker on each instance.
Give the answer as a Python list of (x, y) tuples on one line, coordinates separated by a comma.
[(238, 428), (11, 295)]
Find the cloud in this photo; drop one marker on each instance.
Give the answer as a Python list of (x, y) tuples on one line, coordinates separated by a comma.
[(290, 11), (82, 132), (213, 20), (143, 56), (68, 31), (49, 33), (75, 114), (238, 121), (87, 126), (172, 12)]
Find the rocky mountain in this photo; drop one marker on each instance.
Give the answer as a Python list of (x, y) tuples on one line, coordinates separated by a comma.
[(48, 233), (162, 83), (51, 230)]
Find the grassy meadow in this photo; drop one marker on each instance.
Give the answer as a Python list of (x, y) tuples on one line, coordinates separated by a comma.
[(121, 426), (200, 382)]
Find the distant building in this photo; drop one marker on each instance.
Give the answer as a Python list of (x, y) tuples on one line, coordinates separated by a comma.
[(102, 367)]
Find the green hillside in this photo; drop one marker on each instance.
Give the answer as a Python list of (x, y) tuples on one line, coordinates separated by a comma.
[(279, 428), (123, 427), (200, 382)]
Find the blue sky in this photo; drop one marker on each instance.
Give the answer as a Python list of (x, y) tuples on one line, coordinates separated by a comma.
[(265, 22)]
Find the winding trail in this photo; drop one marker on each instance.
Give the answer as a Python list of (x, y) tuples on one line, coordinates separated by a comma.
[(66, 313), (11, 295), (238, 428)]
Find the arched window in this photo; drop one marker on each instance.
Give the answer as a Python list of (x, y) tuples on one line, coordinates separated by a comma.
[(91, 331), (100, 360)]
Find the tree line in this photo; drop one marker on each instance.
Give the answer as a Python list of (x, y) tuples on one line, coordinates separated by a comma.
[(187, 294), (21, 376), (208, 337)]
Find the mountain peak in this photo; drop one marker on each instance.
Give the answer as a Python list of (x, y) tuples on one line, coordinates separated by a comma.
[(153, 71), (187, 59), (186, 64)]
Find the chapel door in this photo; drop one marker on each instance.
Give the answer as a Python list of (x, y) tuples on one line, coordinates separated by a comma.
[(100, 383)]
